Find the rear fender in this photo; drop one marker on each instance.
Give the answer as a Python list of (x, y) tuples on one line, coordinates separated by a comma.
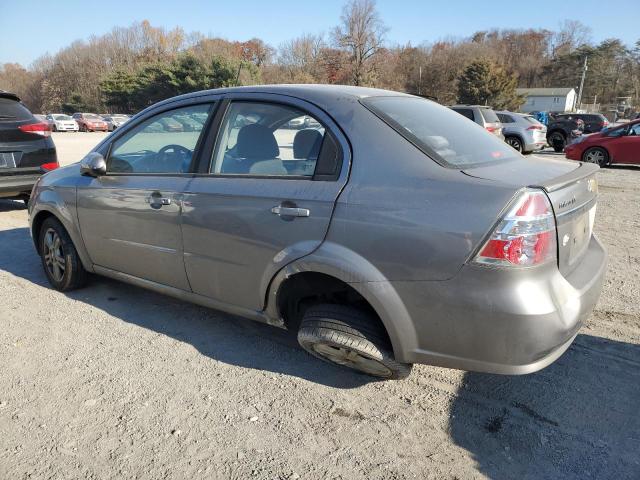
[(345, 265)]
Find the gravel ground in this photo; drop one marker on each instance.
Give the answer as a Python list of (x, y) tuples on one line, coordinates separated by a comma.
[(116, 382)]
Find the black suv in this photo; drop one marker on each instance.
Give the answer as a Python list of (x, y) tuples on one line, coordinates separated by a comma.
[(26, 148), (593, 122), (562, 129)]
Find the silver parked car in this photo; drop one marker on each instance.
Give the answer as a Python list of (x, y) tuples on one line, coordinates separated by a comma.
[(115, 121), (523, 132), (483, 115), (397, 232)]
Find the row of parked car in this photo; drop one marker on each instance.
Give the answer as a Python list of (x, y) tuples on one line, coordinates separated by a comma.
[(527, 134), (83, 122)]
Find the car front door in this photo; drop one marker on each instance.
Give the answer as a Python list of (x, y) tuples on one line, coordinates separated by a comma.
[(264, 198), (627, 147), (130, 217)]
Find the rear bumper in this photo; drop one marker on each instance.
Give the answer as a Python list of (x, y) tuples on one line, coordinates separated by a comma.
[(497, 321), (15, 185)]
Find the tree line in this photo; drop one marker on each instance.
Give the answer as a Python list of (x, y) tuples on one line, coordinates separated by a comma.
[(132, 67)]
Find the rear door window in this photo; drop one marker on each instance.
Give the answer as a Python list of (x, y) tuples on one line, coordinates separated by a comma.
[(440, 132), (264, 139), (13, 111)]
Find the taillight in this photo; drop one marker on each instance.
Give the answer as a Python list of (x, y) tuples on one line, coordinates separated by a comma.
[(535, 127), (490, 129), (49, 166), (38, 128), (525, 236)]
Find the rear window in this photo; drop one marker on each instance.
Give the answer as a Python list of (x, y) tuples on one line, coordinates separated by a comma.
[(489, 115), (466, 112), (444, 135), (10, 110), (92, 116)]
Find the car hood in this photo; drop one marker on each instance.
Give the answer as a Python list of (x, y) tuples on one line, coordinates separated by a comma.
[(526, 171)]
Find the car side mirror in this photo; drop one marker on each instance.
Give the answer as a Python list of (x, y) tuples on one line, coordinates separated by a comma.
[(93, 165)]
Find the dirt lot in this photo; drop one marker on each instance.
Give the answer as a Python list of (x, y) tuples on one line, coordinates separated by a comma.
[(115, 382)]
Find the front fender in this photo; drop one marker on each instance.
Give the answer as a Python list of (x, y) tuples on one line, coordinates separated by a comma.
[(61, 203), (344, 264)]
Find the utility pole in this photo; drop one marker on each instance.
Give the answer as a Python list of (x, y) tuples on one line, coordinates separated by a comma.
[(584, 74), (420, 81)]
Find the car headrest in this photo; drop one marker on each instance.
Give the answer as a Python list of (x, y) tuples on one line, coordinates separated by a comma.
[(306, 144), (256, 141)]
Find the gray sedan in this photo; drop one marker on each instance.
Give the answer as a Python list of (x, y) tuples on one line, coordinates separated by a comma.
[(393, 232)]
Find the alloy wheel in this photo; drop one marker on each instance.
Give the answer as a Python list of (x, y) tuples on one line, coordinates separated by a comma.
[(515, 143), (53, 253), (595, 156)]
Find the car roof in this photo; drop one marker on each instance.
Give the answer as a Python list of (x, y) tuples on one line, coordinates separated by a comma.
[(321, 95)]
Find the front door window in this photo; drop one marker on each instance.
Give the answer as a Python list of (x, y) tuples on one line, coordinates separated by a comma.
[(164, 143)]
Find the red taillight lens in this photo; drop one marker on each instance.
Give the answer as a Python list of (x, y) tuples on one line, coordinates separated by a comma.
[(49, 166), (491, 129), (38, 128), (525, 236), (535, 127)]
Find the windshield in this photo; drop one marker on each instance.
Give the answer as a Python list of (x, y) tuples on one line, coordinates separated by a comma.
[(92, 116), (443, 134), (61, 117)]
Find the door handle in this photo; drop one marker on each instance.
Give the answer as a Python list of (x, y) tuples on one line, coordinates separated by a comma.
[(156, 201), (290, 211)]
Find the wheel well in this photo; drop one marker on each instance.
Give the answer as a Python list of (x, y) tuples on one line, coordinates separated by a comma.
[(301, 291), (557, 130), (36, 224)]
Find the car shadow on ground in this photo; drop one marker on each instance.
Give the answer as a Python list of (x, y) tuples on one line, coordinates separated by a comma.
[(222, 337), (578, 418)]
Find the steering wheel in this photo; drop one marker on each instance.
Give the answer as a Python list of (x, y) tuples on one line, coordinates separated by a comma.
[(183, 152)]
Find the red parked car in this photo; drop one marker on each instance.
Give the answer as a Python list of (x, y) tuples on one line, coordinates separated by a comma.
[(619, 144), (90, 122)]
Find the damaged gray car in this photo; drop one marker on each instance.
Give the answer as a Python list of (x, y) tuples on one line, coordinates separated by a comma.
[(386, 231)]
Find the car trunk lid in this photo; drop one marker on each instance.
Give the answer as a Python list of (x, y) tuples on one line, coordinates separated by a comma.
[(572, 190)]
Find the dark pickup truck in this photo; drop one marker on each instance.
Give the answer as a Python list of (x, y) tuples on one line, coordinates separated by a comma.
[(26, 148)]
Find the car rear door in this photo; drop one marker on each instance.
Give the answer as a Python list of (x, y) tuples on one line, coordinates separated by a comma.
[(264, 196), (130, 217)]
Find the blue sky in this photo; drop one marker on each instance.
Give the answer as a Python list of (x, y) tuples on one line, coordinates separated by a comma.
[(30, 28)]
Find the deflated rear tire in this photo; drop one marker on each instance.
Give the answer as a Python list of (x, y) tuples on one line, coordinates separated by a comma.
[(352, 338), (59, 256)]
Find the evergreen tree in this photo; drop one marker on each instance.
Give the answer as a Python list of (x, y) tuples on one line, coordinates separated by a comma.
[(486, 83)]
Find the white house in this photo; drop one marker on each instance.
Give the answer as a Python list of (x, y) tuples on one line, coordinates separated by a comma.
[(548, 99)]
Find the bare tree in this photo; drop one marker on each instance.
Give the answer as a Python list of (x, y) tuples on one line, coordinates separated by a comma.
[(572, 34), (361, 32)]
